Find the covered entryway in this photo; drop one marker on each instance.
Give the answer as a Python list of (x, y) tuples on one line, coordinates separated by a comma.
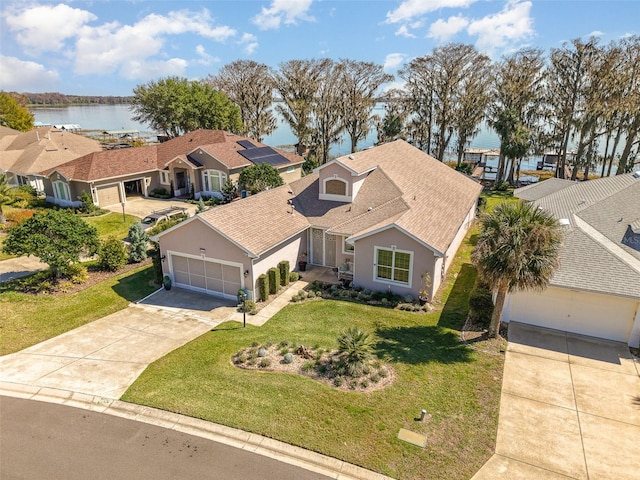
[(108, 195), (603, 316), (211, 276), (323, 248)]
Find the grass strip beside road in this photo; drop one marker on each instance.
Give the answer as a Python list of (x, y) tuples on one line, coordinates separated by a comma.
[(28, 319)]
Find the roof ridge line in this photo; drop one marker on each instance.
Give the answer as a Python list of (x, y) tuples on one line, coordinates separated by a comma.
[(607, 244), (373, 209)]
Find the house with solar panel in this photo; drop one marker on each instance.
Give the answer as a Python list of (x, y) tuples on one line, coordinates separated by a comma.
[(387, 218), (197, 163)]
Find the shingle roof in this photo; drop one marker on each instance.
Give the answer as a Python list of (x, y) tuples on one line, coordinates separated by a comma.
[(120, 162), (408, 188), (42, 148), (541, 189), (595, 256)]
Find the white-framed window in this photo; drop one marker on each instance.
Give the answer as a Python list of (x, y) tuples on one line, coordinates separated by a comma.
[(347, 247), (165, 177), (392, 265), (291, 169), (213, 180), (61, 190), (22, 180)]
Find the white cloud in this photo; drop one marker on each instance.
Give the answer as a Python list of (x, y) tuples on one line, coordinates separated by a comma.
[(410, 9), (443, 30), (393, 61), (45, 28), (133, 69), (249, 43), (204, 57), (25, 76), (596, 33), (403, 31), (512, 24), (287, 11), (128, 48)]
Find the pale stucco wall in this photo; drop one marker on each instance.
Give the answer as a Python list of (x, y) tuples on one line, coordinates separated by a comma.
[(423, 261)]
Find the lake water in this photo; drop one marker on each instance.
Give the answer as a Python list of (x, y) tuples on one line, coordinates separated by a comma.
[(118, 117)]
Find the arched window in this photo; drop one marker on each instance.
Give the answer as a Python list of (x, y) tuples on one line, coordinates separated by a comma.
[(335, 186), (213, 180), (61, 190)]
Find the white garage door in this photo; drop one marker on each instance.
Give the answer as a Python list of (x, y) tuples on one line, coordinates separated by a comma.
[(206, 276), (108, 195), (602, 316)]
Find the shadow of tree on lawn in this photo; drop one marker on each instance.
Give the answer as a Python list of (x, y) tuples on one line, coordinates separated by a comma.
[(421, 344), (454, 312)]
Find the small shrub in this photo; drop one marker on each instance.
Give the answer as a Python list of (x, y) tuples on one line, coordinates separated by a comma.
[(501, 186), (294, 277), (284, 350), (274, 280), (288, 358), (250, 307), (240, 359), (321, 368), (384, 301), (138, 241), (353, 384), (112, 255), (408, 298), (302, 294), (375, 378), (283, 343), (16, 217), (338, 381), (254, 344), (308, 366), (77, 273), (319, 293), (295, 299), (311, 294), (353, 293), (383, 373), (364, 383), (264, 363)]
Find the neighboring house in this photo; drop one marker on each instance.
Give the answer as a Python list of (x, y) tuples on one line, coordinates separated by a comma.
[(198, 163), (392, 213), (596, 289), (24, 155)]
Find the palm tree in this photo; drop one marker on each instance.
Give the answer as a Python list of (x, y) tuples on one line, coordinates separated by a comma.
[(356, 348), (518, 249)]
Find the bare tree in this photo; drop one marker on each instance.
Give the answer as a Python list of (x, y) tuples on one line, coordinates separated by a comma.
[(516, 107), (631, 101), (248, 84), (327, 112), (360, 82), (392, 125), (420, 100), (297, 83)]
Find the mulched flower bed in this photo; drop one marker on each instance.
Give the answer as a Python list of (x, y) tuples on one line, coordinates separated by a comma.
[(316, 363)]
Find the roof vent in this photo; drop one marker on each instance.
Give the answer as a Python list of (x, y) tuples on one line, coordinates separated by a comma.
[(351, 157), (564, 222), (636, 174)]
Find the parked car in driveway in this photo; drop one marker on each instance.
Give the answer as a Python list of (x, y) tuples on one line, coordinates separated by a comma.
[(157, 216)]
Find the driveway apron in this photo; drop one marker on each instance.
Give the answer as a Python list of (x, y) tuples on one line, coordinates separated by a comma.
[(570, 408), (105, 357)]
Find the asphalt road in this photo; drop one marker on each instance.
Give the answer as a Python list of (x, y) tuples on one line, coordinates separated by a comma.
[(42, 440)]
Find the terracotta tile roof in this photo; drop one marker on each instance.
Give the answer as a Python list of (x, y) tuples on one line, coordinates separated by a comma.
[(43, 148), (121, 162)]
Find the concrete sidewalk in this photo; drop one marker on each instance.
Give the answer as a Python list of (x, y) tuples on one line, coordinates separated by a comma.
[(20, 267), (570, 408)]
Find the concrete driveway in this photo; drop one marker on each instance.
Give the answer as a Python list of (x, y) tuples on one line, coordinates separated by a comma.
[(141, 207), (570, 408), (105, 357)]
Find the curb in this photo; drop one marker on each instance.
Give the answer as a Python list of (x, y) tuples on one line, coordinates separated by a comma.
[(268, 447)]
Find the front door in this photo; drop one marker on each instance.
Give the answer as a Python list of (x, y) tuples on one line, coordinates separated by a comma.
[(323, 248)]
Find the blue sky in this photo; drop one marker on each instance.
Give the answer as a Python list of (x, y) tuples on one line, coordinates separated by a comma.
[(107, 47)]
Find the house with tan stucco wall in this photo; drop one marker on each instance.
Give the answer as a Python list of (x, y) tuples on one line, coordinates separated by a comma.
[(393, 214), (195, 164)]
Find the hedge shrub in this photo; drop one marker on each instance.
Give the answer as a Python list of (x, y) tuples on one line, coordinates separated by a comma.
[(283, 266), (274, 280), (263, 287)]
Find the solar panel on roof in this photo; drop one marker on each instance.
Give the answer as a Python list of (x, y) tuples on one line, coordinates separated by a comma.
[(263, 155), (246, 144)]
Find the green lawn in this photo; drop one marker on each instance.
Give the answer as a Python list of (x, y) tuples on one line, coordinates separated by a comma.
[(112, 224), (28, 319), (458, 386), (494, 197)]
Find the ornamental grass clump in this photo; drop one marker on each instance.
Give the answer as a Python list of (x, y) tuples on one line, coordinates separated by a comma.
[(355, 348)]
